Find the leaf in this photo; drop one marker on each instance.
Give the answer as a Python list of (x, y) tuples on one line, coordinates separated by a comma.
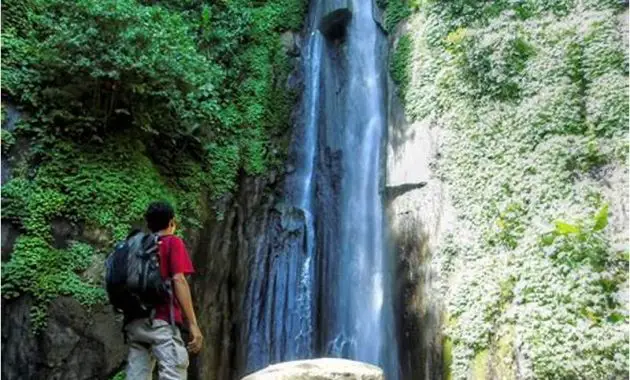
[(547, 239), (500, 223), (565, 228), (615, 317), (601, 219)]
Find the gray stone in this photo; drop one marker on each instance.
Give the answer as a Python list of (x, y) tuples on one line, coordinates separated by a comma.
[(97, 236), (76, 343), (291, 43), (63, 231), (58, 343), (5, 171), (420, 215), (392, 192), (221, 252), (319, 369), (19, 346), (377, 15), (10, 233), (96, 270)]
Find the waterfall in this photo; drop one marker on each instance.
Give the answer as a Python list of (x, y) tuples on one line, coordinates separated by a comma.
[(362, 326), (301, 192), (280, 299), (320, 282)]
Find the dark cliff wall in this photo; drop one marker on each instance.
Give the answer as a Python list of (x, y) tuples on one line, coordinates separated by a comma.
[(222, 252), (78, 343)]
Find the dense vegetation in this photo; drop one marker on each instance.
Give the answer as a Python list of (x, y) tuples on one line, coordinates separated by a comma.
[(126, 101), (532, 97)]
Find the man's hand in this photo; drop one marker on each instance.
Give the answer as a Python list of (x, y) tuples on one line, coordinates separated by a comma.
[(196, 339)]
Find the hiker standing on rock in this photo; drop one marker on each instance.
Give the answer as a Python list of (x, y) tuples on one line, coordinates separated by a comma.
[(146, 282)]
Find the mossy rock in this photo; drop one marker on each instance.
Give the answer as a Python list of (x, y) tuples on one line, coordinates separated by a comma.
[(503, 355), (480, 365), (447, 358)]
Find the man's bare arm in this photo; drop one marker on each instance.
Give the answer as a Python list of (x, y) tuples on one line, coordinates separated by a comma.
[(182, 292)]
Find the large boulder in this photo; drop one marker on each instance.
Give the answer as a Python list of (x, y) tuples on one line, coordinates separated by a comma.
[(76, 344), (319, 369)]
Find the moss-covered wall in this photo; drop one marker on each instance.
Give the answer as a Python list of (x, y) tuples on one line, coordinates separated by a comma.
[(531, 100), (126, 102)]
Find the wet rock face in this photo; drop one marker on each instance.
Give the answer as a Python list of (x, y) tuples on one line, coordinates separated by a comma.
[(75, 344), (319, 369), (221, 252), (333, 25), (10, 233), (335, 19)]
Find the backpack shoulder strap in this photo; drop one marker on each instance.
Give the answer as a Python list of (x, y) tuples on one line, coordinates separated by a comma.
[(169, 284)]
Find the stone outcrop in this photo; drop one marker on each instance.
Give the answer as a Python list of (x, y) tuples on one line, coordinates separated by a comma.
[(222, 251), (319, 369), (335, 20), (420, 215), (76, 343)]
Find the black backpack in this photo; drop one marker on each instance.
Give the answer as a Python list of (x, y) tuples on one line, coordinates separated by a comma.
[(133, 281)]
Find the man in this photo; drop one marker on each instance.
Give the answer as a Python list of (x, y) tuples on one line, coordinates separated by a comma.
[(155, 338)]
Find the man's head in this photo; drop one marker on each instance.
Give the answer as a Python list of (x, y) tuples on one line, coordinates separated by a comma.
[(160, 216)]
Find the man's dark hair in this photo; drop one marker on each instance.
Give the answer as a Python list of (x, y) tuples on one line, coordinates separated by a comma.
[(159, 215)]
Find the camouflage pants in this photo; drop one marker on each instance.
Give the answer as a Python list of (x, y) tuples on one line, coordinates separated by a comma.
[(157, 341)]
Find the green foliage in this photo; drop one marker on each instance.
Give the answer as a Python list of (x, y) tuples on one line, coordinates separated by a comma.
[(489, 64), (400, 67), (531, 102), (6, 140), (109, 186), (575, 244), (226, 159), (119, 376), (129, 102), (395, 12), (447, 358), (480, 365), (455, 14), (192, 74), (510, 226), (88, 66), (3, 114), (45, 272)]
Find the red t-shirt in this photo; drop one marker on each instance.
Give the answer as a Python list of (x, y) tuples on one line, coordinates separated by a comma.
[(173, 259)]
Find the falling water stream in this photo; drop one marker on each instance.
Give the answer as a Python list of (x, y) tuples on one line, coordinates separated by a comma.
[(363, 329), (280, 300), (324, 289)]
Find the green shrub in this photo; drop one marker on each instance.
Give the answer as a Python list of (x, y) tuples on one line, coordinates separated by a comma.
[(395, 12), (45, 272), (89, 66), (400, 67), (7, 140)]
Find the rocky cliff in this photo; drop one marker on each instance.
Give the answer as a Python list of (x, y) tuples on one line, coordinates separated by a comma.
[(60, 335), (508, 179)]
